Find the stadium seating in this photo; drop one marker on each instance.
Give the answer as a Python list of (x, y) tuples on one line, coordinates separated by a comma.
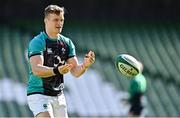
[(156, 46), (149, 45)]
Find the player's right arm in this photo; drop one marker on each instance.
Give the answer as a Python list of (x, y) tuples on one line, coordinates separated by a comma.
[(35, 54), (40, 70), (36, 59)]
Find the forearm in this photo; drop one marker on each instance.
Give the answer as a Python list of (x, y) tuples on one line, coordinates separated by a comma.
[(78, 70), (43, 71)]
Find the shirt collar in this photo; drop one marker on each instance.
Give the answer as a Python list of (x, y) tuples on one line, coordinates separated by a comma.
[(47, 37)]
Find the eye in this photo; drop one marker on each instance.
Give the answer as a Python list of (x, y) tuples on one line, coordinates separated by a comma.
[(56, 20), (62, 20)]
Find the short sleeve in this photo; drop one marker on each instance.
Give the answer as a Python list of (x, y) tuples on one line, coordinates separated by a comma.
[(36, 47)]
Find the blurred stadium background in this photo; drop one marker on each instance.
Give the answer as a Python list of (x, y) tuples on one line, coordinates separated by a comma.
[(147, 29)]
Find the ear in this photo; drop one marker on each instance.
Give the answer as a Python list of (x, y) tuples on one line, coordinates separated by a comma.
[(45, 20)]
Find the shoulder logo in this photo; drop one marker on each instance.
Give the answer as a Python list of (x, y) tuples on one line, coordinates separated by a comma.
[(49, 50)]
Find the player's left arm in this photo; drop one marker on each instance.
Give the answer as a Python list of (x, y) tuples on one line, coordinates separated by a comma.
[(78, 69)]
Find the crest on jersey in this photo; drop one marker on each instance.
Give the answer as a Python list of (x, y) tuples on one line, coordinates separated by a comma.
[(63, 50)]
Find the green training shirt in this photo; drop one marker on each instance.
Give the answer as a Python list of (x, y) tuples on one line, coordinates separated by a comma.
[(137, 85), (55, 53)]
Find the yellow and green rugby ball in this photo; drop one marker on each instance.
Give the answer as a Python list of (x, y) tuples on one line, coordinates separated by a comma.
[(127, 65)]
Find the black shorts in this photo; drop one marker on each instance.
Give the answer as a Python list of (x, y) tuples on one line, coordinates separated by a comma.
[(136, 110), (136, 105)]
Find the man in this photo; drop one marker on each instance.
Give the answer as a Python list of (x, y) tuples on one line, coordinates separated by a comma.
[(137, 89), (51, 55)]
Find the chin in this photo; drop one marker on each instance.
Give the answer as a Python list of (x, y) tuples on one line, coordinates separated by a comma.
[(59, 31)]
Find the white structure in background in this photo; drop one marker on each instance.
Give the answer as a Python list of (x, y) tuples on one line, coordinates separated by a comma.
[(89, 96), (12, 91)]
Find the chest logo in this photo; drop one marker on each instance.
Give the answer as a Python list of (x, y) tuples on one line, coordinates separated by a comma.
[(57, 61)]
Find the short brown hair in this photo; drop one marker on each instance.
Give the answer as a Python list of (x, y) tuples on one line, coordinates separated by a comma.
[(53, 9)]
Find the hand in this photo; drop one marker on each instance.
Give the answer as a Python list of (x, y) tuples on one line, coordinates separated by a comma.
[(64, 68), (89, 59)]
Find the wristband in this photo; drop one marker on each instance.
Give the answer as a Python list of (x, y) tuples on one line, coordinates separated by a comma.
[(56, 71)]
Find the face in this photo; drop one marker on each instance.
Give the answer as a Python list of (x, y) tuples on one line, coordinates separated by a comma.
[(54, 23)]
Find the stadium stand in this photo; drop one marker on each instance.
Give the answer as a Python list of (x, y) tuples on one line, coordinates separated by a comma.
[(156, 46)]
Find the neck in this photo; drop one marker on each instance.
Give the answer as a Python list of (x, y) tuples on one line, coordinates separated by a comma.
[(52, 35)]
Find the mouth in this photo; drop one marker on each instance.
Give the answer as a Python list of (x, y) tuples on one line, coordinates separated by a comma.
[(58, 27)]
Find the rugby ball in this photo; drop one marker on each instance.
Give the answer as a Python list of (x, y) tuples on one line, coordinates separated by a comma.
[(127, 65)]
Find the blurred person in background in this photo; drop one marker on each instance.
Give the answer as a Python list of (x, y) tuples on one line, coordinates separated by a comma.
[(137, 89), (50, 56)]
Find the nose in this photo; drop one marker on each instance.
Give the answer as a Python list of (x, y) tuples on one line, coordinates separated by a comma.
[(60, 23)]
